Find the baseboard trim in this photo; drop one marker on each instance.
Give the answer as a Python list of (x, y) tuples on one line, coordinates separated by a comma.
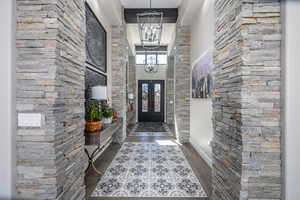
[(206, 157)]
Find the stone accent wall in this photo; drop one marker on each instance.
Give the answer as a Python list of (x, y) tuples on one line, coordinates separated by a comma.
[(50, 81), (161, 74), (227, 141), (118, 73), (132, 84), (246, 144), (170, 91), (182, 83), (132, 76)]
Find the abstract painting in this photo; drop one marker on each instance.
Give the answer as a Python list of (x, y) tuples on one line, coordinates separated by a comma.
[(202, 82), (96, 47)]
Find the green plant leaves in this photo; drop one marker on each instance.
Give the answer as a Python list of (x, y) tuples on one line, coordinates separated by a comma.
[(93, 111), (107, 111)]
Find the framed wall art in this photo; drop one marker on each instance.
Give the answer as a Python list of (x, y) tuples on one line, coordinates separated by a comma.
[(96, 41), (202, 82)]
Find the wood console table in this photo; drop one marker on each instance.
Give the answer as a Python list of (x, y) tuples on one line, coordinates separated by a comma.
[(96, 143)]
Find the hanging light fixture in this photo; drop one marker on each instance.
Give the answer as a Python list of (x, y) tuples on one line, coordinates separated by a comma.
[(150, 28), (151, 65), (151, 68)]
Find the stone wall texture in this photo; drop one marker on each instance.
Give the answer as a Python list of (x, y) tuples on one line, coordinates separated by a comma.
[(170, 92), (132, 76), (118, 74), (50, 80), (132, 86), (246, 104), (182, 82)]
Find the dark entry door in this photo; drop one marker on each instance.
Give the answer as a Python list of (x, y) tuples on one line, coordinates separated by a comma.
[(151, 101)]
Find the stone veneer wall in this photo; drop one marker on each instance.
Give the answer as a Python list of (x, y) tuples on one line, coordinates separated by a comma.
[(170, 91), (118, 73), (182, 83), (132, 76), (246, 144), (50, 80), (132, 83)]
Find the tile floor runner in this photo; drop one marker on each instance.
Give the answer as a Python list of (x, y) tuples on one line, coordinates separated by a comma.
[(149, 170), (151, 134)]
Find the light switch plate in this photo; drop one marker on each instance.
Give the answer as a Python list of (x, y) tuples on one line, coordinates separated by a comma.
[(29, 119)]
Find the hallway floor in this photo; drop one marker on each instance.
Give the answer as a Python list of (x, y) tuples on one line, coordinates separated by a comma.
[(149, 165)]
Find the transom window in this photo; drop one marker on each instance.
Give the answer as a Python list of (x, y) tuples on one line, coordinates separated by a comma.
[(155, 58)]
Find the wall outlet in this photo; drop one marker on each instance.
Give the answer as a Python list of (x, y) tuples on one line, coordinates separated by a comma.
[(29, 120)]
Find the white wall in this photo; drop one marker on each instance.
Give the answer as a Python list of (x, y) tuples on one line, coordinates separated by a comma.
[(201, 130), (187, 11), (291, 62), (201, 127), (7, 97), (112, 10), (203, 30)]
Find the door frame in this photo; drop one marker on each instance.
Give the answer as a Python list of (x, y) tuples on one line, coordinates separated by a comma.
[(138, 96)]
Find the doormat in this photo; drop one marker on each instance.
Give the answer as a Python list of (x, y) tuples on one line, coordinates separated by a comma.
[(151, 134), (150, 127)]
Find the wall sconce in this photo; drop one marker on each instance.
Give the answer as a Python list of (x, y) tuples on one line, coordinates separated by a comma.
[(131, 101), (131, 96)]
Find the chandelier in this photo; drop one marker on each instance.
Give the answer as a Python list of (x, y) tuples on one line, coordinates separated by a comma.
[(150, 28)]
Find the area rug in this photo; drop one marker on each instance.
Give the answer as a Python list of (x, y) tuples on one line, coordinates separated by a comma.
[(151, 134), (150, 127), (149, 170)]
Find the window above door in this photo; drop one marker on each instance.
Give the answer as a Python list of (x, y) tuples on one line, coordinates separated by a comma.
[(156, 58)]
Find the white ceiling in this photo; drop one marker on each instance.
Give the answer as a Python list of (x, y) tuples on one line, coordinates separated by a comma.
[(155, 3)]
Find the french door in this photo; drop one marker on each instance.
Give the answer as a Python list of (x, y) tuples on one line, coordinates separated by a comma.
[(151, 105)]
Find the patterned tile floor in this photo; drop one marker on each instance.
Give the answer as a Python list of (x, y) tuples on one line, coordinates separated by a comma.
[(151, 169)]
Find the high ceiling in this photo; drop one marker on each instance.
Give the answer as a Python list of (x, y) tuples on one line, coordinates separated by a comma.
[(155, 3), (168, 33)]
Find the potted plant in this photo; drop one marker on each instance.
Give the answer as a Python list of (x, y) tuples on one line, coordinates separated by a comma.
[(93, 117), (107, 113)]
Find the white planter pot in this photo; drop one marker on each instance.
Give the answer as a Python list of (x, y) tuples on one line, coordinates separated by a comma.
[(107, 120)]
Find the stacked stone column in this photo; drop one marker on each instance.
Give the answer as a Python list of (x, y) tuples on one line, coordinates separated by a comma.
[(50, 81), (132, 77), (182, 83), (170, 91), (118, 76), (246, 104)]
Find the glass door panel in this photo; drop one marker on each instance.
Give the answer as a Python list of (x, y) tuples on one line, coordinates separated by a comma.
[(145, 97), (157, 93)]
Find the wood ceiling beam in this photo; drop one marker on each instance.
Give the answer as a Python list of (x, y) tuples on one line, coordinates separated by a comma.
[(170, 14), (141, 48)]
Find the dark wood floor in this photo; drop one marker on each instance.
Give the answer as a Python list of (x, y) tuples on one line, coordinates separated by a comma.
[(199, 166)]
